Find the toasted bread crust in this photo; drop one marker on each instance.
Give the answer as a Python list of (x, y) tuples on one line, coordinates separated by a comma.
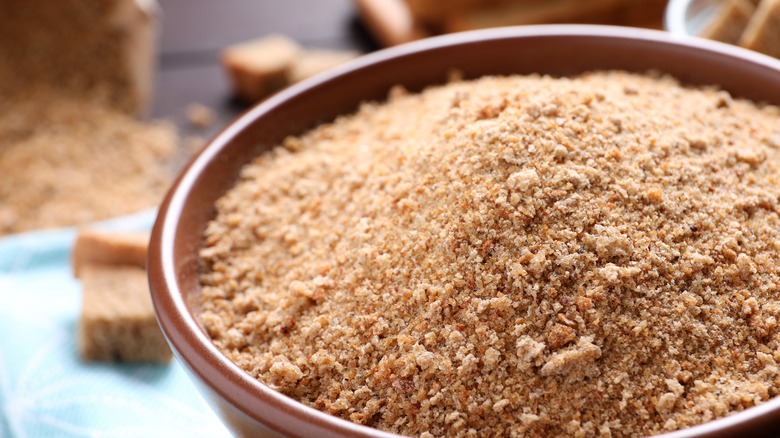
[(117, 318), (97, 247)]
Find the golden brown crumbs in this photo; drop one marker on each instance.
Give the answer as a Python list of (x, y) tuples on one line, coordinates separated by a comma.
[(72, 74), (199, 115), (67, 161), (511, 256)]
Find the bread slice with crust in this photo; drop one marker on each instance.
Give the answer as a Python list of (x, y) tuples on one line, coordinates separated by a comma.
[(104, 50), (109, 248), (259, 67), (117, 320), (390, 21)]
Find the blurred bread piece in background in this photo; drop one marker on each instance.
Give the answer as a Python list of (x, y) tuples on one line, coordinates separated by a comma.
[(762, 33), (101, 49), (752, 24), (199, 115), (259, 67), (391, 22), (730, 22), (117, 321), (641, 13), (414, 19), (637, 13), (113, 248), (432, 10), (530, 12), (311, 62)]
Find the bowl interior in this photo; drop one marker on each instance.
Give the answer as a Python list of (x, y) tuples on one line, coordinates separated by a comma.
[(555, 50)]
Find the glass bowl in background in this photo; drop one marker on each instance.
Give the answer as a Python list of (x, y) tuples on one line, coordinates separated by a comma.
[(689, 17)]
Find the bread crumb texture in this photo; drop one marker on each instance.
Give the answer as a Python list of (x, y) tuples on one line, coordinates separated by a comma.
[(511, 256), (73, 76), (67, 161)]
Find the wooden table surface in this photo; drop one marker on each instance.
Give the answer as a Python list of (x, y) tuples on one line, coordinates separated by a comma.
[(194, 31)]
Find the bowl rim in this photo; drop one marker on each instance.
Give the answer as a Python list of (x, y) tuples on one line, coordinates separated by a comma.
[(192, 346)]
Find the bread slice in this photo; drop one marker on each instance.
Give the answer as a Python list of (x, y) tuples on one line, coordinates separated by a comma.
[(104, 50), (310, 62), (762, 33), (398, 21), (729, 23), (109, 248), (259, 67), (136, 20), (117, 320), (390, 21)]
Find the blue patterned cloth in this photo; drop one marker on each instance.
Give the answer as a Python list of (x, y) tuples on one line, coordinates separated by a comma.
[(45, 389)]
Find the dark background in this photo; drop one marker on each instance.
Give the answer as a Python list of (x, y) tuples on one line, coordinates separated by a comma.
[(192, 33)]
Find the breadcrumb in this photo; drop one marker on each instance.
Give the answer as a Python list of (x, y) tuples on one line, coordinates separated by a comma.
[(511, 256), (69, 161)]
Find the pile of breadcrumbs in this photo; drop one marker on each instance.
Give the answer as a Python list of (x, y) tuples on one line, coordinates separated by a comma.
[(72, 150), (511, 256), (67, 161)]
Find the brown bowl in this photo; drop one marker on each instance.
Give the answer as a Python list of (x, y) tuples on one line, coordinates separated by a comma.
[(250, 408)]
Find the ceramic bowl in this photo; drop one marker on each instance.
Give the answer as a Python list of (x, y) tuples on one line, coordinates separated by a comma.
[(250, 408)]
